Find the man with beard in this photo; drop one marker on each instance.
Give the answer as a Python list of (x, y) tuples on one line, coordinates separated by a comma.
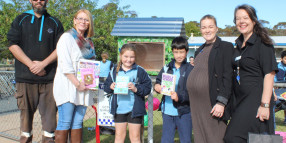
[(33, 37)]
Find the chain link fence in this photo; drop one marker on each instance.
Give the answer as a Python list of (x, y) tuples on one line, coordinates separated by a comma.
[(10, 117)]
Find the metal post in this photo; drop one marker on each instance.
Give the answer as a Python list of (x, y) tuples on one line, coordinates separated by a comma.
[(150, 118)]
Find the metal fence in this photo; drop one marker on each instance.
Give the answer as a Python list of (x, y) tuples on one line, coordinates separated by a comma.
[(10, 117)]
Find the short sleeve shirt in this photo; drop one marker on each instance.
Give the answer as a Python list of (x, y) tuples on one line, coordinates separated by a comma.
[(168, 106), (256, 59)]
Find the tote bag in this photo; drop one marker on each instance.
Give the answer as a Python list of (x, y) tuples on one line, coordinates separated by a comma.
[(264, 138)]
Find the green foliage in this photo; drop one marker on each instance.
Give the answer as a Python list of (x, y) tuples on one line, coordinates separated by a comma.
[(280, 25), (8, 12), (153, 73), (192, 27), (280, 29), (264, 22), (228, 31), (104, 20)]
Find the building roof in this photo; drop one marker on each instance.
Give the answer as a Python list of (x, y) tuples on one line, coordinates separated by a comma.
[(149, 27), (198, 41)]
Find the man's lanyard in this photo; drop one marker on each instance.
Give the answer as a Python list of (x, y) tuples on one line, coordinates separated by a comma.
[(237, 59)]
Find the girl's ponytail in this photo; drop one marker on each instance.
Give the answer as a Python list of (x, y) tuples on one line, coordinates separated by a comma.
[(118, 66)]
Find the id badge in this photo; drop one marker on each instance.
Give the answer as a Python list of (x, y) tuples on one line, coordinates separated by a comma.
[(237, 58)]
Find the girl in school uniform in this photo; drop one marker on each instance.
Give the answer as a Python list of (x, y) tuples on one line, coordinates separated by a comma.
[(128, 109)]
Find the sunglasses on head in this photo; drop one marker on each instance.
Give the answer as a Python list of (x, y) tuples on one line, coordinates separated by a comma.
[(40, 0)]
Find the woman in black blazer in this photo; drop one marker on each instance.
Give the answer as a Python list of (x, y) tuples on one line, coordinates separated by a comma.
[(210, 85)]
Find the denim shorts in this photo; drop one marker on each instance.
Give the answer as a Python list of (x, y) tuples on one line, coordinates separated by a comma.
[(70, 116)]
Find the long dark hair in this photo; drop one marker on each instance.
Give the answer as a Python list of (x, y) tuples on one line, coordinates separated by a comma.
[(258, 28)]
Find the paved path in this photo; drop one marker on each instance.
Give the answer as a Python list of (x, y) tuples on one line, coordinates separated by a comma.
[(10, 121), (5, 140)]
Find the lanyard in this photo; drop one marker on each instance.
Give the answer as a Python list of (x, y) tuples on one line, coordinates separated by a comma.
[(237, 59)]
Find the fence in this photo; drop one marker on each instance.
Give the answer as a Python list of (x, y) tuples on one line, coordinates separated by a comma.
[(10, 117)]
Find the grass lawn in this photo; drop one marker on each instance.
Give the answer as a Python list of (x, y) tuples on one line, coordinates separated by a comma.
[(89, 136), (279, 117)]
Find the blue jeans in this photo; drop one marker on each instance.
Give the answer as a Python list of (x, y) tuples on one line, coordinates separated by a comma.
[(70, 116), (182, 123)]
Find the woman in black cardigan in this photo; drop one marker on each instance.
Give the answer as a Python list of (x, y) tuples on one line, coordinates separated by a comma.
[(210, 85)]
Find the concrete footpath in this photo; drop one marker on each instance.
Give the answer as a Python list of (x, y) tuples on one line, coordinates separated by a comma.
[(5, 140)]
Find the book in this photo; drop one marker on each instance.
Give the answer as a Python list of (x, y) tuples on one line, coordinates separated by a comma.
[(280, 93), (168, 83), (88, 73), (121, 86)]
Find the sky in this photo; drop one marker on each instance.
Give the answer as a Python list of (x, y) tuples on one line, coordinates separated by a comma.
[(273, 11)]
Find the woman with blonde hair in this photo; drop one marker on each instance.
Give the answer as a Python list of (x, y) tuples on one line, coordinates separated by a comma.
[(210, 84), (71, 95)]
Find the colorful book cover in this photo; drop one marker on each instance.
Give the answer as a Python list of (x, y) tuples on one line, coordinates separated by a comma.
[(121, 86), (88, 72), (168, 83), (280, 93)]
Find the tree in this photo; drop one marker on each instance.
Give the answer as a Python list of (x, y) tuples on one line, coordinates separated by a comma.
[(280, 29), (192, 27), (65, 10), (8, 12), (228, 31), (264, 22), (104, 20), (280, 25)]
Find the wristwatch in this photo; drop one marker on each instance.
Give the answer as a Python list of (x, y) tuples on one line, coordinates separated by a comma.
[(265, 105)]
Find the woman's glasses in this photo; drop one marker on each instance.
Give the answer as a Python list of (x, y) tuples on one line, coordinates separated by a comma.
[(82, 19)]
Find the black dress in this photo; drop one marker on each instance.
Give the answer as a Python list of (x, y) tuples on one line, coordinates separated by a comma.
[(257, 60)]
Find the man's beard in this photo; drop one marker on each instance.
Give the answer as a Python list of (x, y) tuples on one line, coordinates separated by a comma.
[(40, 10)]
